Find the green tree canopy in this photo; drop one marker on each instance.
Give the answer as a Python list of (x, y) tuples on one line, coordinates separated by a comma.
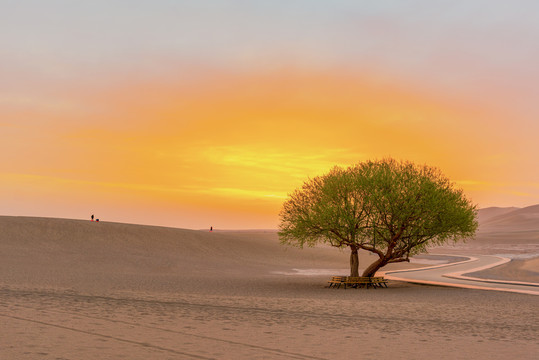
[(390, 208)]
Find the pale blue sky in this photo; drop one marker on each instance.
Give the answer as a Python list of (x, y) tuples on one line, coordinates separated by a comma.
[(459, 48), (403, 35)]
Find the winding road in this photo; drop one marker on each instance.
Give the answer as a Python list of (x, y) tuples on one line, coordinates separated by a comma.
[(453, 275)]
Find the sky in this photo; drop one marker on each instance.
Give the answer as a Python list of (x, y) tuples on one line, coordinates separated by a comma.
[(203, 113)]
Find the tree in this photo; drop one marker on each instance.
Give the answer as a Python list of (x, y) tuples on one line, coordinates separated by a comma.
[(390, 208)]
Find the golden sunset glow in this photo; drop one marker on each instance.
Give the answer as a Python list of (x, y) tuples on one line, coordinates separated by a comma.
[(207, 146)]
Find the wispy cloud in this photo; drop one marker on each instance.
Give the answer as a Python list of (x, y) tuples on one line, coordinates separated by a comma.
[(294, 163), (237, 192)]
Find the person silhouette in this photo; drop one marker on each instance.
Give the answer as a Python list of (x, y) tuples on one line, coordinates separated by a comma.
[(92, 217), (211, 228)]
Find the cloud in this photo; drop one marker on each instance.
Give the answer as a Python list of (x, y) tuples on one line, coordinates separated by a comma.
[(294, 163)]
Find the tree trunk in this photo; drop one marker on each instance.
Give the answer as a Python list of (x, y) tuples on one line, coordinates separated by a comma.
[(354, 261), (373, 268)]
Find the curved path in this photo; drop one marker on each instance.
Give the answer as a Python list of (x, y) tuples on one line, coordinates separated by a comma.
[(452, 275)]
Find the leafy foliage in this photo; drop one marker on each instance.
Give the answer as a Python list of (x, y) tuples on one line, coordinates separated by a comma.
[(393, 209)]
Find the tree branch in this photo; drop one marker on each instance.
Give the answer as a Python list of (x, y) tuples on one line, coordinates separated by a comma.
[(371, 249), (401, 259)]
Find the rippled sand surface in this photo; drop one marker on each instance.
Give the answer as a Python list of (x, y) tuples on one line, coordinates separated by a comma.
[(81, 290)]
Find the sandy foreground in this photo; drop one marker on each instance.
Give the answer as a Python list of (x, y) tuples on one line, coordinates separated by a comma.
[(83, 290)]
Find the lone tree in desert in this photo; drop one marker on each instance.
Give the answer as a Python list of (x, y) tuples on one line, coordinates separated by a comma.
[(394, 209)]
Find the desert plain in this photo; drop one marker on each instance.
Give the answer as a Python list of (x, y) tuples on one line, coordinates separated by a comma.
[(76, 289)]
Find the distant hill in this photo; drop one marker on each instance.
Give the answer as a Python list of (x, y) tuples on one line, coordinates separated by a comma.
[(490, 212), (509, 219)]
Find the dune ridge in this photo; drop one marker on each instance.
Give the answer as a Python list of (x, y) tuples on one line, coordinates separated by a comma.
[(486, 214), (509, 219)]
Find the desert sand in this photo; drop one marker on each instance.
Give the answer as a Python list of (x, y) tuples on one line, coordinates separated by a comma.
[(73, 289)]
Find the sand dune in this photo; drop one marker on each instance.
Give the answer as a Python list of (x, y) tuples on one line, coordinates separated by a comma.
[(72, 289), (95, 256), (525, 219), (512, 232), (486, 214)]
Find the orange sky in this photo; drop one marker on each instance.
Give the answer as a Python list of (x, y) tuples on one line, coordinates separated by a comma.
[(191, 114), (225, 151)]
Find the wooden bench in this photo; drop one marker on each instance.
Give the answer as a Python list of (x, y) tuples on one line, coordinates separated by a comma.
[(337, 281), (362, 281), (379, 281), (357, 282)]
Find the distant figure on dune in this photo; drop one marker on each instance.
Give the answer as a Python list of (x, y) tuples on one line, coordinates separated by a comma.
[(211, 228), (92, 217)]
